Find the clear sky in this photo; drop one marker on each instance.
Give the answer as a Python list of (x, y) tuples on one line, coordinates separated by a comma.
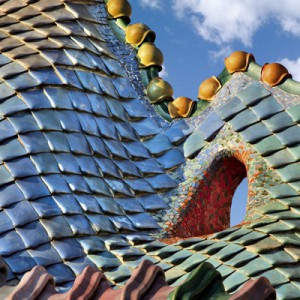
[(196, 35)]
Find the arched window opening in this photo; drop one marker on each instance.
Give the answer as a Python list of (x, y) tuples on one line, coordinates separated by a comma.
[(239, 203), (209, 207)]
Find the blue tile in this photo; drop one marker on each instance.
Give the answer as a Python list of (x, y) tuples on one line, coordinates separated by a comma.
[(139, 185), (23, 81), (10, 194), (101, 223), (21, 213), (130, 205), (45, 163), (5, 222), (152, 202), (125, 131), (143, 221), (119, 187), (11, 242), (88, 123), (124, 88), (7, 130), (80, 101), (98, 104), (61, 273), (88, 165), (91, 244), (116, 149), (12, 105), (56, 183), (149, 167), (46, 76), (158, 144), (32, 187), (47, 120), (106, 128), (171, 159), (35, 100), (67, 163), (67, 204), (5, 176), (21, 167), (34, 142), (136, 150), (230, 108), (97, 146), (23, 122), (31, 240), (88, 203), (79, 264), (78, 143), (210, 126), (162, 181), (110, 206), (77, 184), (145, 128), (46, 207), (45, 255), (122, 223), (58, 97), (20, 262), (57, 141), (5, 92), (68, 248), (98, 186), (88, 81), (107, 86), (57, 227), (80, 225), (128, 169), (69, 121)]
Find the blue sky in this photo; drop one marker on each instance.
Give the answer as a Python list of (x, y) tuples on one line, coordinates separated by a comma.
[(196, 35)]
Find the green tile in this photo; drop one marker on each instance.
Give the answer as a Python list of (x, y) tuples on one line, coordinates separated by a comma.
[(287, 291), (164, 252), (253, 94), (255, 266), (192, 262), (273, 206), (236, 234), (217, 246), (295, 185), (280, 158), (119, 274), (193, 144), (294, 251), (228, 251), (282, 191), (275, 277), (234, 280), (178, 257), (173, 274), (295, 151), (225, 271), (294, 112), (284, 215), (250, 238), (264, 245), (277, 257), (291, 201), (294, 224), (287, 238), (290, 173), (274, 227), (291, 272), (241, 258), (268, 145)]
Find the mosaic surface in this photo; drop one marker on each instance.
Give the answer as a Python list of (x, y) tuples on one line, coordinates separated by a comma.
[(92, 176)]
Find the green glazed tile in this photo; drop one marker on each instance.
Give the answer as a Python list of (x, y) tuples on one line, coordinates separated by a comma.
[(275, 277), (178, 257), (241, 258), (277, 257), (250, 238), (228, 251), (225, 271), (296, 185), (295, 151), (236, 234), (294, 112), (173, 274), (291, 272), (214, 248), (253, 94), (119, 274), (264, 245), (280, 158), (255, 266), (165, 252), (234, 280), (274, 227), (294, 251), (294, 224), (291, 201), (290, 173), (282, 191), (214, 262), (193, 261), (268, 145), (273, 206), (287, 238), (287, 291), (165, 266)]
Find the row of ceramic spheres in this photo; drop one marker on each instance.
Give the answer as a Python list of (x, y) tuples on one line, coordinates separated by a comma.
[(158, 90)]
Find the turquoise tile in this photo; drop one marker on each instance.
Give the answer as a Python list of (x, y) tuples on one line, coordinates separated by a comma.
[(275, 277), (279, 122), (282, 191), (290, 172), (228, 251), (267, 107), (235, 280), (241, 258), (243, 120), (253, 94), (277, 257), (289, 136), (268, 145), (294, 112), (280, 158), (287, 291), (192, 262), (230, 108), (295, 151), (193, 144), (255, 266), (255, 133)]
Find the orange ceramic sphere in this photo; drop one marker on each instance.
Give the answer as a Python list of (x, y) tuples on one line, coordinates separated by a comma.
[(181, 107), (137, 33), (274, 74), (208, 88), (119, 8), (238, 61), (149, 56)]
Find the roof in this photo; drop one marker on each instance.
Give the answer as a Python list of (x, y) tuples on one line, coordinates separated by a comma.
[(93, 176)]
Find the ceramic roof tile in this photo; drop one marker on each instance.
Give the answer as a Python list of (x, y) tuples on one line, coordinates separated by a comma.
[(230, 108), (253, 94), (294, 112)]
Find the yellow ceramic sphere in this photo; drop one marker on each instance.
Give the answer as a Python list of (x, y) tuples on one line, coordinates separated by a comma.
[(149, 56), (159, 90), (137, 33), (181, 107), (209, 88), (119, 8), (274, 74), (238, 61)]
